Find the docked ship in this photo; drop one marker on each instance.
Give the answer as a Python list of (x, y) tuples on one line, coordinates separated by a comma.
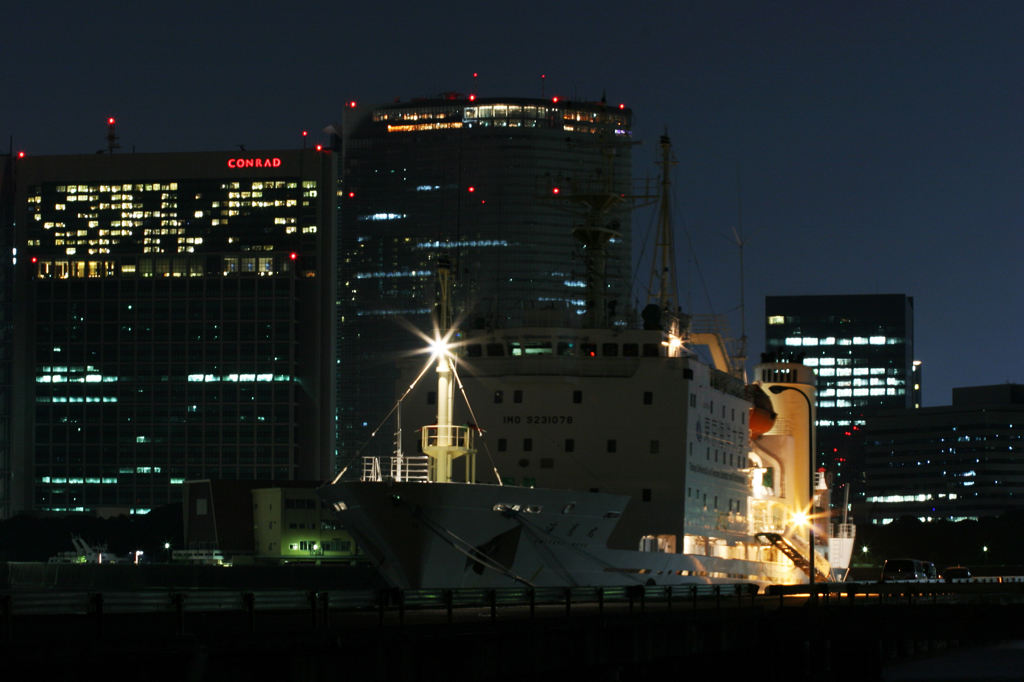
[(597, 456)]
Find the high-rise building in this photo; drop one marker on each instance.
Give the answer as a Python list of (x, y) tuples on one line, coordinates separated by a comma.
[(950, 463), (521, 195), (7, 201), (861, 348), (174, 319)]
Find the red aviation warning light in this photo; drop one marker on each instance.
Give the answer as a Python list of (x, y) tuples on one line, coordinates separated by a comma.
[(622, 106), (472, 97), (305, 133), (21, 155), (471, 189), (351, 104), (34, 259), (351, 195), (293, 255), (555, 190), (319, 147), (112, 135), (554, 100)]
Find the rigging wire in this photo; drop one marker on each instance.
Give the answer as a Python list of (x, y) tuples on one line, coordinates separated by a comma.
[(476, 425), (373, 434)]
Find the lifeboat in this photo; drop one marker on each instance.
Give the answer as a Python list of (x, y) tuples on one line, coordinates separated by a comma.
[(762, 416)]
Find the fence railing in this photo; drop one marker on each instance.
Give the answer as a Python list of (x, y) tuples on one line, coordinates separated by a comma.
[(15, 603)]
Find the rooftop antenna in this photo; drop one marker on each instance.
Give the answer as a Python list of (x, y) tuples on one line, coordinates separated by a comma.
[(112, 135), (543, 78), (741, 356)]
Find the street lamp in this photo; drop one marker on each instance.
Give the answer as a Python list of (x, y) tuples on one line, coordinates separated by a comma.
[(777, 389)]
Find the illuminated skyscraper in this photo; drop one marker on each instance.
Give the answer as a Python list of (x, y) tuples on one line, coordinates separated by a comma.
[(498, 186), (6, 329), (174, 320), (948, 463), (861, 347)]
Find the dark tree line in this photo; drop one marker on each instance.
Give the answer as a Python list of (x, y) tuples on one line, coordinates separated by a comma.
[(30, 538), (988, 546)]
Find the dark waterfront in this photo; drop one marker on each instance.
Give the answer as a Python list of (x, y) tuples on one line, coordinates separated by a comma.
[(615, 634)]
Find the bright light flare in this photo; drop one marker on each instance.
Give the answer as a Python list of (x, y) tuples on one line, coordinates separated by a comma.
[(439, 347), (800, 519), (674, 343)]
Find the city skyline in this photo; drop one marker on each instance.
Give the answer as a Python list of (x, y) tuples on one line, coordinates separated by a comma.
[(871, 149)]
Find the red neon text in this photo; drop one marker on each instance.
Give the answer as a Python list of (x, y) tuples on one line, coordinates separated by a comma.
[(254, 163)]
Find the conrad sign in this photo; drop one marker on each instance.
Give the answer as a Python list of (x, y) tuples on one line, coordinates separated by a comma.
[(243, 162)]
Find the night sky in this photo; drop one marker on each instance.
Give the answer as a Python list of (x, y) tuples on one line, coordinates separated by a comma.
[(879, 146)]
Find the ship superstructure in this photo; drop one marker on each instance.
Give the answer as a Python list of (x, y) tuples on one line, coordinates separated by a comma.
[(595, 456)]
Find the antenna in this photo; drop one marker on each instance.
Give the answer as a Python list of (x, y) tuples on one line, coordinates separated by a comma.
[(741, 355), (112, 135)]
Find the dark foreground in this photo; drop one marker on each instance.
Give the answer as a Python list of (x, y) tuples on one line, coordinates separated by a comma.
[(612, 635)]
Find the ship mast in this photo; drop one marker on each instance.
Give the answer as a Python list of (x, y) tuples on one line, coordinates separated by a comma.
[(444, 442), (663, 311), (597, 198), (663, 267), (594, 235)]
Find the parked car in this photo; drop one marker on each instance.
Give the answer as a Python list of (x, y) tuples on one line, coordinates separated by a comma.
[(951, 573), (907, 569)]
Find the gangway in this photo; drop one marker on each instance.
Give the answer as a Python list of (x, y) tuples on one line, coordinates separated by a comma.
[(786, 547)]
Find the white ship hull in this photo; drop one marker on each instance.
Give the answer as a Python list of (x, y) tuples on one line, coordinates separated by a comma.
[(451, 535)]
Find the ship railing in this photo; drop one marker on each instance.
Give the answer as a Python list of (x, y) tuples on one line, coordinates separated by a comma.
[(371, 469), (844, 530), (447, 435), (410, 468), (399, 468)]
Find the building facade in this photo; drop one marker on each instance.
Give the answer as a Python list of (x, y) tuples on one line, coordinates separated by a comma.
[(290, 525), (861, 348), (525, 197), (7, 204), (956, 462), (173, 320)]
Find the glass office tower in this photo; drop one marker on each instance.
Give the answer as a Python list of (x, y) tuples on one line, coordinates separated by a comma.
[(496, 185), (174, 320), (861, 348)]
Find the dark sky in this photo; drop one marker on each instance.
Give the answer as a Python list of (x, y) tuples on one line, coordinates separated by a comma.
[(880, 145)]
